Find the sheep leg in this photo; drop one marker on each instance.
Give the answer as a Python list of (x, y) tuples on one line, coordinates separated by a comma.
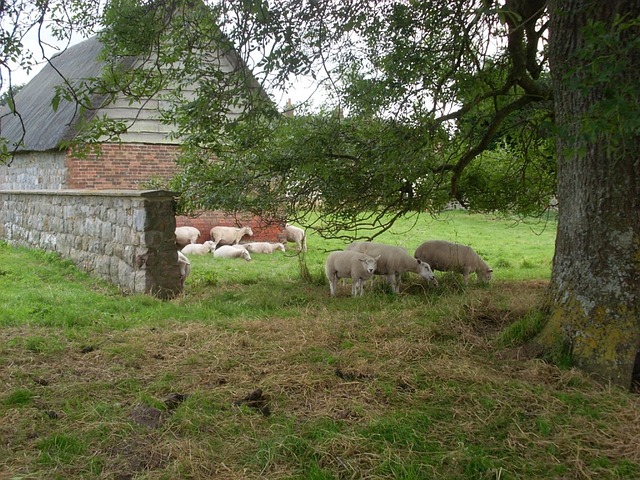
[(333, 282), (391, 280), (356, 287), (397, 278), (465, 275)]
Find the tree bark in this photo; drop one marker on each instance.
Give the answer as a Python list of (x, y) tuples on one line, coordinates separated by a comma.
[(595, 284)]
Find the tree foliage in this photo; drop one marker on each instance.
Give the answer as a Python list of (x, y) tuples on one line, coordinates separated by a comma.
[(414, 93)]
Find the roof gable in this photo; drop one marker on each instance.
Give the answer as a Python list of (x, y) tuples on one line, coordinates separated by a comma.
[(46, 129)]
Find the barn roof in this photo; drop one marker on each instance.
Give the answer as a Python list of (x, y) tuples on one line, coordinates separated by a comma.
[(44, 128)]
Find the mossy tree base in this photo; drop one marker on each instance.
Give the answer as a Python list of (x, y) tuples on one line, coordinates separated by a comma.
[(604, 342)]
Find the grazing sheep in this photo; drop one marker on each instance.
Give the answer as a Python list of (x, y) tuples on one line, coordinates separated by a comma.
[(264, 247), (296, 235), (393, 262), (199, 248), (186, 235), (229, 235), (346, 264), (454, 257), (185, 268), (228, 251)]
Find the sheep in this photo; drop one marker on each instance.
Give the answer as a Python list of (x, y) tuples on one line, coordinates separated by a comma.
[(185, 268), (393, 262), (296, 235), (229, 235), (199, 248), (343, 264), (186, 235), (229, 251), (264, 247), (454, 257)]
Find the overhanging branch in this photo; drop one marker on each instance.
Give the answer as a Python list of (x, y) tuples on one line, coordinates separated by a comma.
[(482, 145)]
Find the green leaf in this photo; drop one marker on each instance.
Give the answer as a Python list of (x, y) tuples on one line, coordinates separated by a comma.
[(55, 102)]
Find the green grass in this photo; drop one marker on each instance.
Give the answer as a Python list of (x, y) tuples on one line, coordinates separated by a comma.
[(430, 383)]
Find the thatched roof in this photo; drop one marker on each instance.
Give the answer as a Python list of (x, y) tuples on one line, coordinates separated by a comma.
[(44, 128)]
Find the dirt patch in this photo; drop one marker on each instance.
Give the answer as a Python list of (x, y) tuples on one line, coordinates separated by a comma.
[(147, 416), (257, 401)]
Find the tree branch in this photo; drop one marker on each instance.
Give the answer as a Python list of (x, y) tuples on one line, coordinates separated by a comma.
[(481, 146)]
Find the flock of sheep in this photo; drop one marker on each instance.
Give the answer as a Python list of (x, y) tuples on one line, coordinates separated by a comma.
[(359, 261), (225, 243)]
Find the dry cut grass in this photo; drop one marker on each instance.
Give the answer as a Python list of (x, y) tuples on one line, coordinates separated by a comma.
[(414, 386)]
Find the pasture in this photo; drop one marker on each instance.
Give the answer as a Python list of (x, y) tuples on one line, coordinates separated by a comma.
[(255, 372)]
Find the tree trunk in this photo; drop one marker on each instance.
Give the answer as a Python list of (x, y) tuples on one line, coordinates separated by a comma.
[(595, 284)]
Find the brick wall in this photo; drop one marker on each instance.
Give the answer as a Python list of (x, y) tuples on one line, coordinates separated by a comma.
[(121, 166), (262, 231)]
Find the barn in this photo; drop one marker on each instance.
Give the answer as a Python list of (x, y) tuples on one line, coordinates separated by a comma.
[(146, 151)]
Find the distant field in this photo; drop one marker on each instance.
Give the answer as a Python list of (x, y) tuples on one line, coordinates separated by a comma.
[(257, 373)]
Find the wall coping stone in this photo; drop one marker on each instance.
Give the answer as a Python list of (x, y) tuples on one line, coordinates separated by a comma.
[(95, 193)]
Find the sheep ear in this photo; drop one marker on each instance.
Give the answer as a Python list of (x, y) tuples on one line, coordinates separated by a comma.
[(378, 257), (490, 270)]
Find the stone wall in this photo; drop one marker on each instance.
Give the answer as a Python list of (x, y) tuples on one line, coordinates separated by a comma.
[(125, 237), (35, 171)]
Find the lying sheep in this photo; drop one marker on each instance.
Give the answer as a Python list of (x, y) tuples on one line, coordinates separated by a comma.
[(229, 251), (185, 268), (393, 262), (454, 257), (186, 236), (199, 248), (264, 247), (347, 264), (229, 235), (296, 235)]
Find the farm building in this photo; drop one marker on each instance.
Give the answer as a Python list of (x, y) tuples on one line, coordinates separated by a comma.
[(146, 151)]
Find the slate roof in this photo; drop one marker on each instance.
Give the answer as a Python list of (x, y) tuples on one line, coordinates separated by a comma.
[(45, 128)]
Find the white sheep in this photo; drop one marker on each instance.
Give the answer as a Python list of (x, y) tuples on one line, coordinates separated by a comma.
[(296, 235), (185, 268), (229, 235), (454, 257), (346, 264), (393, 262), (186, 235), (264, 247), (229, 251), (199, 248)]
